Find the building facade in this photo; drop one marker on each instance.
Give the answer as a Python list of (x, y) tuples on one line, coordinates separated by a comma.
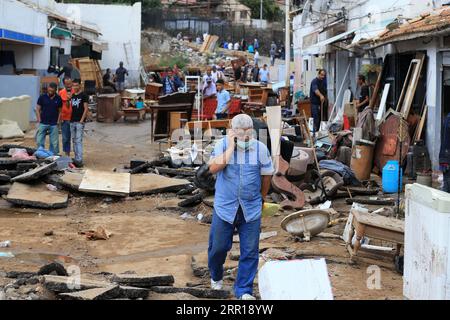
[(342, 38)]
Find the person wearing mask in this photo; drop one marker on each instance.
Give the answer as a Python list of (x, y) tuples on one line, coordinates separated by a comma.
[(48, 109), (66, 115), (317, 94), (264, 75), (79, 115), (244, 169), (120, 77), (444, 155), (223, 100)]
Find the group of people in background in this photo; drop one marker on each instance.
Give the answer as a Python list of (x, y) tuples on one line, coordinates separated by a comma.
[(67, 109)]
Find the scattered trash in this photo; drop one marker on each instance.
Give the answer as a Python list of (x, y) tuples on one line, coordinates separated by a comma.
[(186, 216), (49, 233), (306, 223), (6, 255), (99, 234), (51, 187), (200, 217), (5, 244), (270, 209)]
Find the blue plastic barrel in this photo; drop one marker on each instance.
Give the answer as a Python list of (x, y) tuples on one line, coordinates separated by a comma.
[(390, 177)]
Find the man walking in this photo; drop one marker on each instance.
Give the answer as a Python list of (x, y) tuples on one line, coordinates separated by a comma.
[(256, 56), (47, 115), (244, 170), (364, 100), (66, 114), (223, 100), (444, 154), (273, 52), (317, 94), (79, 114), (120, 77)]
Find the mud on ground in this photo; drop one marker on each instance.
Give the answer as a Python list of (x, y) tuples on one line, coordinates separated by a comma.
[(147, 239)]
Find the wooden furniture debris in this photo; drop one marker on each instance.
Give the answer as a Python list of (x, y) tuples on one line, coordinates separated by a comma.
[(207, 126), (209, 44), (179, 101), (108, 107), (421, 125), (110, 183), (153, 90), (89, 70), (139, 114), (304, 106), (177, 120), (378, 227), (409, 88)]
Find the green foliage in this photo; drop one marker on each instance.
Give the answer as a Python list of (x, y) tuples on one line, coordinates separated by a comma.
[(169, 61), (271, 11)]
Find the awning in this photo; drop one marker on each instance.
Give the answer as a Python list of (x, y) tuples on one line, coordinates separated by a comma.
[(99, 46), (315, 49), (21, 37), (60, 33)]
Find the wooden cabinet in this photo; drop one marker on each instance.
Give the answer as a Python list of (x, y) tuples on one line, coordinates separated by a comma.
[(108, 107)]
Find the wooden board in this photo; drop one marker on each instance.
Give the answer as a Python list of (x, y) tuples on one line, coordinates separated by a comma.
[(419, 130), (410, 86), (36, 196), (153, 183), (382, 107), (116, 184), (376, 220), (274, 125)]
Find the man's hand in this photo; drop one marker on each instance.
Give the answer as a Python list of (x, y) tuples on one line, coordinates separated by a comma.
[(322, 98), (231, 138)]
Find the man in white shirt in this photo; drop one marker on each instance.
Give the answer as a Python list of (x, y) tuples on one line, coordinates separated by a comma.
[(256, 57), (236, 46), (230, 45)]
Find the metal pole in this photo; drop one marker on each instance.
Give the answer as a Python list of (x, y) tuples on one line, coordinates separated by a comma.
[(260, 14), (288, 50)]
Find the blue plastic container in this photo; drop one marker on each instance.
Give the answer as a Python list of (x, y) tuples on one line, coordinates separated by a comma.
[(390, 177)]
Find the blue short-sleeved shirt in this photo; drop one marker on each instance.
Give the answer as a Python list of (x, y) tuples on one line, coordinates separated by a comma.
[(223, 97), (50, 108), (240, 182), (264, 75)]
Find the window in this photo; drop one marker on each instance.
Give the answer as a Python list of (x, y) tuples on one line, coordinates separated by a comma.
[(243, 14)]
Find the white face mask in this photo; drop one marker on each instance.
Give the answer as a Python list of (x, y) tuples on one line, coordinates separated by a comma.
[(245, 145)]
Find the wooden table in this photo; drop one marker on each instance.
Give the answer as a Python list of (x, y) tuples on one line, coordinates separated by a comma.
[(180, 107), (377, 227), (133, 112)]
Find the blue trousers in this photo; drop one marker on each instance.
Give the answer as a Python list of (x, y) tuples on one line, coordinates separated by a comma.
[(446, 185), (315, 112), (221, 116), (221, 241), (76, 131), (53, 134), (65, 132)]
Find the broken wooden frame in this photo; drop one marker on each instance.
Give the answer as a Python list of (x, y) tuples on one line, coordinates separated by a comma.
[(409, 88)]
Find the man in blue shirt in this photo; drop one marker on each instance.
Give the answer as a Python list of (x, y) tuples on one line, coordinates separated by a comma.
[(444, 154), (223, 100), (47, 114), (264, 75), (244, 170), (317, 95), (171, 83)]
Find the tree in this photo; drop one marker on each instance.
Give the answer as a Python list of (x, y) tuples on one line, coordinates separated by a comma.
[(271, 11)]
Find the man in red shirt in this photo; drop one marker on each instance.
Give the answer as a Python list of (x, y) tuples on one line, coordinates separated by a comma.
[(66, 114)]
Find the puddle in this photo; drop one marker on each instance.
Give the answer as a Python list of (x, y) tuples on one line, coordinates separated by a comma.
[(41, 258)]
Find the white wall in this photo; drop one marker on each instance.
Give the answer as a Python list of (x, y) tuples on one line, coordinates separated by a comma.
[(119, 24)]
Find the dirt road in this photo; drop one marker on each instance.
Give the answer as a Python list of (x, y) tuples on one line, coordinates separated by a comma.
[(146, 238)]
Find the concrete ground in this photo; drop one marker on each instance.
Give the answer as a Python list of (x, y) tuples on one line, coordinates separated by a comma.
[(148, 237)]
